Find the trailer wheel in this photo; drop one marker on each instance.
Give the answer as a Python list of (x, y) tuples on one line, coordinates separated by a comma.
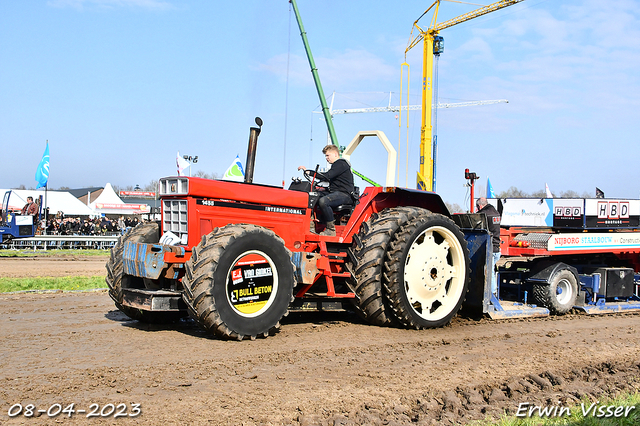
[(427, 269), (560, 295), (117, 280), (374, 236), (239, 282)]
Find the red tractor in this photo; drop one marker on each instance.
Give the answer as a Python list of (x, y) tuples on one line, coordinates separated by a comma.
[(237, 256)]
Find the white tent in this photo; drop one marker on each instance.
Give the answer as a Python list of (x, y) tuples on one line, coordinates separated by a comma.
[(57, 201), (108, 202)]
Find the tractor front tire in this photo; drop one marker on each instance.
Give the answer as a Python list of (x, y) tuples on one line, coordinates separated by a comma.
[(374, 237), (559, 296), (427, 270), (239, 282), (117, 280)]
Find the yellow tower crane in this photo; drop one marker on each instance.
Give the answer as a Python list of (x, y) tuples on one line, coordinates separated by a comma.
[(433, 45)]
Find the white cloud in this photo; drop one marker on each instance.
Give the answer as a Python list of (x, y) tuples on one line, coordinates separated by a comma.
[(343, 71), (582, 55), (355, 66), (476, 49), (299, 72)]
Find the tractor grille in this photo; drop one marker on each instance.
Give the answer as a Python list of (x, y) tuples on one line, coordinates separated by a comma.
[(174, 218)]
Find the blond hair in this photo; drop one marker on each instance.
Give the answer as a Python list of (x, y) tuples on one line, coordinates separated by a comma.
[(330, 148)]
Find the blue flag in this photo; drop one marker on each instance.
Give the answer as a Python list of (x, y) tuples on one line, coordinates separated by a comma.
[(490, 193), (42, 173)]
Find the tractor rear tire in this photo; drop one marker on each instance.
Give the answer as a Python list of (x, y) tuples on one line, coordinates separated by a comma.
[(559, 296), (239, 282), (117, 280), (427, 270), (374, 237)]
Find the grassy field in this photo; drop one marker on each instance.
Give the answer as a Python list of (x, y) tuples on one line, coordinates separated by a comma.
[(584, 414), (53, 253), (51, 283)]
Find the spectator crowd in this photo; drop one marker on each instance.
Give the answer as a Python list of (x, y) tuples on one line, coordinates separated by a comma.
[(60, 225)]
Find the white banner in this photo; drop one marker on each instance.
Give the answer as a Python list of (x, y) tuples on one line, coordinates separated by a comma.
[(583, 241)]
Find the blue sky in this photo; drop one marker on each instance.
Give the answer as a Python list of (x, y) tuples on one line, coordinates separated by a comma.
[(117, 87)]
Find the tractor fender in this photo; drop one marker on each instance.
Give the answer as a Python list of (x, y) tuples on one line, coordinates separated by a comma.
[(384, 197), (374, 200), (544, 271)]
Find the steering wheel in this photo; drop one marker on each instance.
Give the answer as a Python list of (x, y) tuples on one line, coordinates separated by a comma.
[(308, 174), (319, 183)]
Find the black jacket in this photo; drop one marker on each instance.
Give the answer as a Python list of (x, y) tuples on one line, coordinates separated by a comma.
[(340, 177), (493, 217)]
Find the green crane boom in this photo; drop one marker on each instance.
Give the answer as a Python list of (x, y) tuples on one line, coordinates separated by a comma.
[(316, 78)]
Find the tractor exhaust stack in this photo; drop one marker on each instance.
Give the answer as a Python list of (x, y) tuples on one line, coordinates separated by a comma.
[(251, 151)]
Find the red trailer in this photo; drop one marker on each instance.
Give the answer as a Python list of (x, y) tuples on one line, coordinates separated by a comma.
[(570, 253)]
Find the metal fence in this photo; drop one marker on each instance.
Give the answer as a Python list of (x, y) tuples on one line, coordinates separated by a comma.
[(56, 242)]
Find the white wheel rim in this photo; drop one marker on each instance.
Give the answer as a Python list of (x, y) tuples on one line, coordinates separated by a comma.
[(233, 298), (564, 291), (434, 273)]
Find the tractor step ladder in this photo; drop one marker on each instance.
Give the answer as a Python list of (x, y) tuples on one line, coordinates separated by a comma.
[(329, 264)]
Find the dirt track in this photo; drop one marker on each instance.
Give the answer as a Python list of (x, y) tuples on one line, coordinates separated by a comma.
[(28, 267), (320, 369)]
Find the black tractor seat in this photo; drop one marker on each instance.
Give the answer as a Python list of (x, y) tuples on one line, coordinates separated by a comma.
[(344, 210)]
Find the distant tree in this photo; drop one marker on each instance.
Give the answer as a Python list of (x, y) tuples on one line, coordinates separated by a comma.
[(513, 192), (117, 188), (205, 175), (539, 194), (573, 194), (569, 194), (152, 186), (453, 208)]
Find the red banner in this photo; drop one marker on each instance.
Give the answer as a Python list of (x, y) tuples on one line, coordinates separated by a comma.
[(137, 194), (122, 206)]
